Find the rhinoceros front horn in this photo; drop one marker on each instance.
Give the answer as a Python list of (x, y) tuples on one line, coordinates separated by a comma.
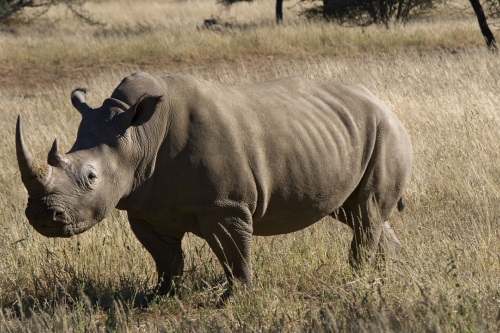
[(34, 174)]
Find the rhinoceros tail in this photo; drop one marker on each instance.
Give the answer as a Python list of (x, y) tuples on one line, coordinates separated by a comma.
[(401, 204)]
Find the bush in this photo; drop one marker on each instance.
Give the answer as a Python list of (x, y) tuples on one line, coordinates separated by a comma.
[(366, 12), (12, 9), (230, 2), (493, 8)]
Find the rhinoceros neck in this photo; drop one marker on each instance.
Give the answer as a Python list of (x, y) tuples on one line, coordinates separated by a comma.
[(160, 140)]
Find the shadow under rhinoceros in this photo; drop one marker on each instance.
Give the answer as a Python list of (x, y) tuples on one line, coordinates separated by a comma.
[(94, 296)]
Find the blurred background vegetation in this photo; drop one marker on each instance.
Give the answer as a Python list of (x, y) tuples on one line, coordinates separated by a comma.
[(349, 12)]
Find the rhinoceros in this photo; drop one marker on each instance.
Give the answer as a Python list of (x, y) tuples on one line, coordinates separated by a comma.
[(224, 162)]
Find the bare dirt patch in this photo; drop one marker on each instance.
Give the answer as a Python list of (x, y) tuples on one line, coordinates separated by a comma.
[(29, 77)]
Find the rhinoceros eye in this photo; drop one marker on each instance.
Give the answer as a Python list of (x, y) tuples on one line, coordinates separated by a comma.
[(92, 176), (89, 177)]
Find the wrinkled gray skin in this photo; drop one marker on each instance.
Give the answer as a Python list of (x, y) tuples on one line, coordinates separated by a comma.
[(181, 155)]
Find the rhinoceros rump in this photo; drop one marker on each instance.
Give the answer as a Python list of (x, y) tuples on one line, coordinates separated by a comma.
[(225, 163)]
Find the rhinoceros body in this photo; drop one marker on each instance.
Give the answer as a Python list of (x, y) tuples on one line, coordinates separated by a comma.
[(225, 163)]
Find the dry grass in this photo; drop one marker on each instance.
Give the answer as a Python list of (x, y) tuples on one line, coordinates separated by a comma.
[(163, 34), (147, 44), (448, 278)]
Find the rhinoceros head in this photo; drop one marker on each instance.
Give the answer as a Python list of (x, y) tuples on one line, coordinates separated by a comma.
[(72, 192)]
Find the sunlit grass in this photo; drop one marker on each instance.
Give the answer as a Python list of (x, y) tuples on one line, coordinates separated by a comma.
[(164, 32)]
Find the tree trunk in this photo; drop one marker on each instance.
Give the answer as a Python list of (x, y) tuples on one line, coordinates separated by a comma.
[(279, 11), (485, 30)]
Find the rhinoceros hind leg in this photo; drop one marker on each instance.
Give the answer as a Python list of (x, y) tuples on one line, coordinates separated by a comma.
[(363, 217), (389, 243)]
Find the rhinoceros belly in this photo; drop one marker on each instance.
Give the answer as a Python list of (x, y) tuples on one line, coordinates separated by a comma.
[(300, 196)]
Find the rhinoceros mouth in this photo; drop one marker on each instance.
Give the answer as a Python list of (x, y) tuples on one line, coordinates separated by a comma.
[(52, 222), (64, 231), (55, 221), (53, 231)]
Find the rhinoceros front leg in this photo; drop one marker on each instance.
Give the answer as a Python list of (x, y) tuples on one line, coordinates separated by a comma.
[(230, 237), (166, 251)]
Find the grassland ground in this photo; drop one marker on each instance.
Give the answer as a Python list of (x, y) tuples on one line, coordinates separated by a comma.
[(159, 35), (437, 77)]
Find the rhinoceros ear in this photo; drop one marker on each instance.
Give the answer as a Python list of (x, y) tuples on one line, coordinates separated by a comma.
[(140, 113), (78, 99)]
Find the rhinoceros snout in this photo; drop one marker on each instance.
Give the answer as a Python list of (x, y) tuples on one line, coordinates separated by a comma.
[(42, 216)]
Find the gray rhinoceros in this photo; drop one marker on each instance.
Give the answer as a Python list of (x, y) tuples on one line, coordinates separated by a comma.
[(181, 155)]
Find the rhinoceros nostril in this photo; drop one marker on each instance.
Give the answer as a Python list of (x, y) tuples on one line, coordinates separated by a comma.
[(59, 216)]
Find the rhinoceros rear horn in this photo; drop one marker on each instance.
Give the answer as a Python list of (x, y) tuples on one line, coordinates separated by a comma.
[(55, 158), (78, 99), (34, 174)]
